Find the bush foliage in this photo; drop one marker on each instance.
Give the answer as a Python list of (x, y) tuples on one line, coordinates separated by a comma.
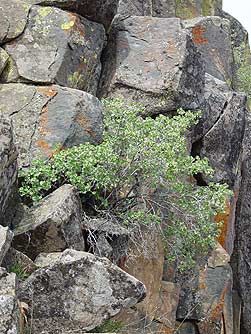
[(140, 174)]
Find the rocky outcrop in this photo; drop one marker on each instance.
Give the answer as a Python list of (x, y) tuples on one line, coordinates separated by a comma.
[(44, 116), (81, 292), (8, 172), (162, 69), (57, 47), (51, 226)]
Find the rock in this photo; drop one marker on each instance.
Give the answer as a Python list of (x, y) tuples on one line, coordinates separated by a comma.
[(207, 295), (147, 266), (44, 116), (212, 36), (101, 11), (3, 60), (8, 172), (169, 299), (9, 312), (13, 19), (106, 238), (187, 328), (242, 249), (80, 293), (184, 9), (53, 225), (15, 258), (219, 134), (57, 47), (5, 241), (153, 61)]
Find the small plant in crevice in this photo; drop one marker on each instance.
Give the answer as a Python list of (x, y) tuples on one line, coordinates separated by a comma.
[(109, 326), (19, 270), (139, 176)]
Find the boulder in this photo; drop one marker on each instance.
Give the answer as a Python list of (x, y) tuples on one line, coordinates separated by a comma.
[(52, 225), (8, 172), (101, 11), (13, 19), (153, 61), (44, 116), (57, 47), (77, 293), (212, 37), (5, 241), (206, 295), (9, 311)]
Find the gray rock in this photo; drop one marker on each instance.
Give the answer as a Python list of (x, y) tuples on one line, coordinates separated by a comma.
[(13, 18), (5, 241), (212, 36), (14, 258), (187, 328), (242, 249), (50, 115), (77, 293), (219, 134), (8, 172), (58, 47), (3, 59), (52, 225), (101, 11), (9, 312), (153, 61)]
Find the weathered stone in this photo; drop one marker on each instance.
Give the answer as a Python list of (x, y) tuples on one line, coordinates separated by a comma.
[(168, 303), (9, 312), (106, 238), (206, 295), (242, 249), (147, 266), (15, 258), (3, 59), (58, 47), (8, 172), (50, 115), (13, 19), (5, 241), (220, 132), (187, 327), (153, 61), (80, 293), (101, 11), (185, 9), (52, 225), (212, 36)]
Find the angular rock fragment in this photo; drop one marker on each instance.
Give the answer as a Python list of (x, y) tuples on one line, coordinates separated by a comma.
[(153, 61), (219, 134), (101, 11), (5, 241), (212, 37), (3, 60), (206, 295), (52, 225), (14, 258), (78, 292), (58, 47), (9, 312), (8, 172), (49, 115), (13, 19)]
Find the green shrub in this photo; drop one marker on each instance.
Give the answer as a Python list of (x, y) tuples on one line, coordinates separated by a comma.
[(140, 174), (19, 270), (110, 326)]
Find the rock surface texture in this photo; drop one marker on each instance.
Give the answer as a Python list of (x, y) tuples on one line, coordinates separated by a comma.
[(81, 292), (56, 56)]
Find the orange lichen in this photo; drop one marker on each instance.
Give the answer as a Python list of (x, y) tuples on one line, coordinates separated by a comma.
[(46, 149), (197, 35), (43, 123), (49, 91), (74, 24), (217, 311), (84, 122), (224, 218), (203, 279)]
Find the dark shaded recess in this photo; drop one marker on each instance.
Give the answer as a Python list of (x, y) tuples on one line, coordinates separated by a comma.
[(195, 151)]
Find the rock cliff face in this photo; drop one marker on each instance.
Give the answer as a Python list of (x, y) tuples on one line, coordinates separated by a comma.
[(57, 58)]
